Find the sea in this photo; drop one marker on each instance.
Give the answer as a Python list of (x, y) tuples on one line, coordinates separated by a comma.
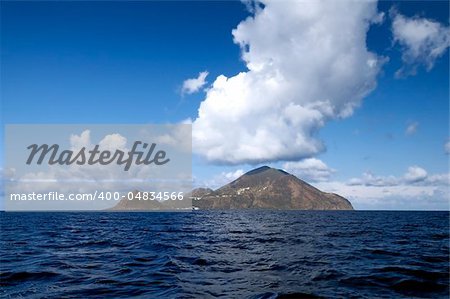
[(226, 254)]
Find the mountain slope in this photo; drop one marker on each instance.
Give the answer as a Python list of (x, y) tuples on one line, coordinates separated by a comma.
[(269, 188)]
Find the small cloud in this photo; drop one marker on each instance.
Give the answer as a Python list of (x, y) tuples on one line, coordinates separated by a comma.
[(411, 129), (79, 141), (231, 176), (311, 169), (113, 142), (422, 42), (195, 84), (415, 174), (379, 18), (447, 147), (222, 178), (369, 179)]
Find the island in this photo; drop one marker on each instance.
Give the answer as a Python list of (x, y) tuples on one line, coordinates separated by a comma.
[(268, 188)]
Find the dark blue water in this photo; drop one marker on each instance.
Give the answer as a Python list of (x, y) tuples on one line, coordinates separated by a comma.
[(229, 254)]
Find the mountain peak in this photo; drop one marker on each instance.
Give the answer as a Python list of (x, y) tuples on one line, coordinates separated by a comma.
[(264, 169)]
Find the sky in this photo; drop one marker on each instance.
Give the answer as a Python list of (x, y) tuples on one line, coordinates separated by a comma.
[(350, 96)]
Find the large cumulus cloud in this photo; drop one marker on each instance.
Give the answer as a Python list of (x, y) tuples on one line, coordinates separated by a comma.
[(307, 64)]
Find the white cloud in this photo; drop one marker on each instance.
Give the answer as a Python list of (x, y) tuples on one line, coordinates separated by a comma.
[(220, 179), (369, 179), (438, 179), (411, 129), (193, 85), (416, 189), (110, 142), (379, 18), (307, 64), (79, 141), (178, 136), (113, 142), (311, 169), (447, 147), (397, 197), (231, 176), (422, 41), (415, 174)]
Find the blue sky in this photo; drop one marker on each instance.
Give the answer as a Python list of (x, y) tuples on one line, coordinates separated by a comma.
[(125, 62)]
